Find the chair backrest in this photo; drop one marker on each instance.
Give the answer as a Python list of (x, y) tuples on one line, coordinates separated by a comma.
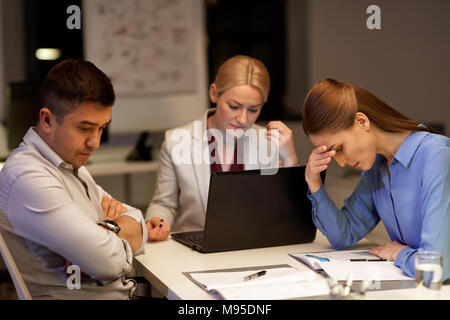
[(19, 283)]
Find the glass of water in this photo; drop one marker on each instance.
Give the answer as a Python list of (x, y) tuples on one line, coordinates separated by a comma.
[(428, 274)]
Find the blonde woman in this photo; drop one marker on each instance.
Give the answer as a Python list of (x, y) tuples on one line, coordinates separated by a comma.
[(230, 139), (405, 180)]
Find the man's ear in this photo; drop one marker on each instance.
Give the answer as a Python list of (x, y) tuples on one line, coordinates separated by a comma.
[(212, 93), (46, 119), (362, 120)]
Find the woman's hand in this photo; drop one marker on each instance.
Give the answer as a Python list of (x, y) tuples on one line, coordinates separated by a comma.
[(389, 251), (317, 162), (158, 229), (284, 140)]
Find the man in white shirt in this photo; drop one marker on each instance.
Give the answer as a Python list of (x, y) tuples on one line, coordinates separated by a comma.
[(52, 213)]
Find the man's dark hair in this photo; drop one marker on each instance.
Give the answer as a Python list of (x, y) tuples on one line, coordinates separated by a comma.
[(72, 82)]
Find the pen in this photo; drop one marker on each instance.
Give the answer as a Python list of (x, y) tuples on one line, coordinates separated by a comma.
[(366, 260), (255, 275)]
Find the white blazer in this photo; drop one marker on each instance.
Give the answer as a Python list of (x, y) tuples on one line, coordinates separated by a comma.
[(182, 185)]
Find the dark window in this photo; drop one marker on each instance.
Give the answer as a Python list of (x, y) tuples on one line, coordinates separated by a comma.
[(45, 27), (255, 28)]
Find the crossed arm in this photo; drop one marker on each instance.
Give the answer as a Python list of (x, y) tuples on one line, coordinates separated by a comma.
[(130, 229)]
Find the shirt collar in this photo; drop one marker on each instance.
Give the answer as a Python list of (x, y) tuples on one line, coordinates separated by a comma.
[(204, 121), (409, 147), (33, 139)]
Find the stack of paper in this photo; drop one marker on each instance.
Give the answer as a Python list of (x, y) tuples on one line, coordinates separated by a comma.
[(278, 283)]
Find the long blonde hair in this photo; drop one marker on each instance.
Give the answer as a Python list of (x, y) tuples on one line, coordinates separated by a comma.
[(243, 70), (331, 105)]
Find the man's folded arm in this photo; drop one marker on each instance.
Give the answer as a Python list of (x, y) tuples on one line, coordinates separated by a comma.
[(132, 225), (48, 216)]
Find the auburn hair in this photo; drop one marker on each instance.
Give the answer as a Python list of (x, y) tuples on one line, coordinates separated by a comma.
[(331, 106)]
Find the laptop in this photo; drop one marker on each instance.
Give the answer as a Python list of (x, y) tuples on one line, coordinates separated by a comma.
[(249, 210)]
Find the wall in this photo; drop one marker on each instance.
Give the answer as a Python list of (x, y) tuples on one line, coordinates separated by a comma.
[(406, 63), (297, 83)]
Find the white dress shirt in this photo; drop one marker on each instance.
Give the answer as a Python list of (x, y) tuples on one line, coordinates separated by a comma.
[(48, 217)]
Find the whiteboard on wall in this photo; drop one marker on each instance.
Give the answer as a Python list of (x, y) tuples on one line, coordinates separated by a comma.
[(146, 47), (155, 111)]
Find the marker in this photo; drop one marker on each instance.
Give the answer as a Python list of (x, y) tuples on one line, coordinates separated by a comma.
[(318, 258), (255, 275)]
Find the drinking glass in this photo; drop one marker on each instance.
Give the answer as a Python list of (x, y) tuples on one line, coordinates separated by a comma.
[(428, 266)]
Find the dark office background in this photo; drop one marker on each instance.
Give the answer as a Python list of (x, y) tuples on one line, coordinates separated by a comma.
[(252, 27)]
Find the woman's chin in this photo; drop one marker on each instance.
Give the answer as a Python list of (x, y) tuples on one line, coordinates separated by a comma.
[(234, 132)]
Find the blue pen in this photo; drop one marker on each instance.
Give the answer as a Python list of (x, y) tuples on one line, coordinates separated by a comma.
[(318, 258)]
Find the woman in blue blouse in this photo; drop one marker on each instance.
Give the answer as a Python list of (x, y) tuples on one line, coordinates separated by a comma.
[(405, 180)]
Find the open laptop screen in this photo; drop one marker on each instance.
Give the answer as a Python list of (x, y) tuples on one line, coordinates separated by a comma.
[(249, 210)]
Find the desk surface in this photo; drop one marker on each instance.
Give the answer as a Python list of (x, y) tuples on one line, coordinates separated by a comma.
[(164, 263)]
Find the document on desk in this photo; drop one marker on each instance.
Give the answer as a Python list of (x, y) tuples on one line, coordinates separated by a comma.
[(375, 271), (313, 259), (363, 265), (283, 282)]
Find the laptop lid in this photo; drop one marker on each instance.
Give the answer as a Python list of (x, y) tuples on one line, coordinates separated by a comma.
[(249, 210)]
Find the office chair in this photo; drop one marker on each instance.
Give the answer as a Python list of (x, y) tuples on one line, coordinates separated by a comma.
[(19, 283)]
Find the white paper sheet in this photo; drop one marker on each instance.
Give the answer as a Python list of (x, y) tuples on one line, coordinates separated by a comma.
[(214, 280), (376, 271), (276, 291)]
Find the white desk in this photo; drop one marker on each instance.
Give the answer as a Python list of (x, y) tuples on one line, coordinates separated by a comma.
[(164, 263)]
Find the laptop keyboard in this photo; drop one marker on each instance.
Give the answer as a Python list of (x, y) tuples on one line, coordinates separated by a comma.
[(197, 240), (191, 238)]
